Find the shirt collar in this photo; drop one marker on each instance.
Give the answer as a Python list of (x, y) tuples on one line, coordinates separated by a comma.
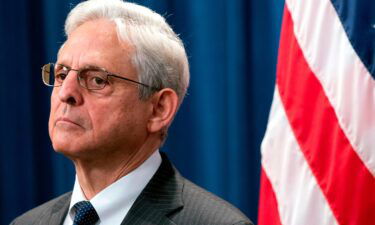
[(113, 203)]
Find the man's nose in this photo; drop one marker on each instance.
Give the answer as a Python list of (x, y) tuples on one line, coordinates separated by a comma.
[(70, 91)]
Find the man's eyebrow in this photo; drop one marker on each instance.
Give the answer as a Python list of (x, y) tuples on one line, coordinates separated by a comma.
[(85, 66)]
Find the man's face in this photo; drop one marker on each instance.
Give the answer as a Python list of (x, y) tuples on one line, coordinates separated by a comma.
[(89, 123)]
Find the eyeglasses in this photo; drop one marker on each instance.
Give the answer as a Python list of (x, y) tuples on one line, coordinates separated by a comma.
[(91, 78)]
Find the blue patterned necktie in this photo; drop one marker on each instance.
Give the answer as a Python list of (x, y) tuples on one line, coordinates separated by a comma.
[(85, 214)]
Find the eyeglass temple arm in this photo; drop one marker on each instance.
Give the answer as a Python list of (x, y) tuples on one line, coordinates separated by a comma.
[(124, 78)]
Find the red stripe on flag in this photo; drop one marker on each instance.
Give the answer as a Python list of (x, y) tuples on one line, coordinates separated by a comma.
[(268, 213), (343, 178)]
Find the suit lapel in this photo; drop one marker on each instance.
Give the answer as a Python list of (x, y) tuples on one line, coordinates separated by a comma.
[(161, 197), (59, 210)]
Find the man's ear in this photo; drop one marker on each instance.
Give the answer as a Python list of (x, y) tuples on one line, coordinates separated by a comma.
[(165, 104)]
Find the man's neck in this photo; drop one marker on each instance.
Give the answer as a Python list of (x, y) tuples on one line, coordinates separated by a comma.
[(96, 175)]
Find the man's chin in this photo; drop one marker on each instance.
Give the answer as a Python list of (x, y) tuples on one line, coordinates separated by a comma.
[(67, 143), (69, 149)]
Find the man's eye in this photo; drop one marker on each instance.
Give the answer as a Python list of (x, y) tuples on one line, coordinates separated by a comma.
[(95, 82), (98, 80), (60, 76)]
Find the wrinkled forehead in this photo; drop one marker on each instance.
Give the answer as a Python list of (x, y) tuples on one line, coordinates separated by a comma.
[(95, 42)]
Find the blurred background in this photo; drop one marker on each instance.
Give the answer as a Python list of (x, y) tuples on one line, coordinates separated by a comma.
[(215, 139)]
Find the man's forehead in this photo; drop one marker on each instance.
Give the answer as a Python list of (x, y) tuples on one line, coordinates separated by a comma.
[(92, 43), (96, 33)]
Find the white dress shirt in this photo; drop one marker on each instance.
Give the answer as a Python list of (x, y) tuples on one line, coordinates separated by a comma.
[(113, 203)]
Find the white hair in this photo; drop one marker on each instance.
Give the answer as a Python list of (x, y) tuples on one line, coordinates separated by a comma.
[(160, 58)]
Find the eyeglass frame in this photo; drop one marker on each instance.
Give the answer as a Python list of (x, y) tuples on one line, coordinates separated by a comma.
[(108, 74)]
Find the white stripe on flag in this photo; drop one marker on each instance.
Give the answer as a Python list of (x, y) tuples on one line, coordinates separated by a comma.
[(300, 200), (345, 80)]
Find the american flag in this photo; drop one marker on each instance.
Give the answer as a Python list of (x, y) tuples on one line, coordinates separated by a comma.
[(318, 153)]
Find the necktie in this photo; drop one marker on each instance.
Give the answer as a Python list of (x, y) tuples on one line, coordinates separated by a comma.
[(85, 214)]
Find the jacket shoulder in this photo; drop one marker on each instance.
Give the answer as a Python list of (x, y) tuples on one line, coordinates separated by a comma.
[(43, 212), (203, 207)]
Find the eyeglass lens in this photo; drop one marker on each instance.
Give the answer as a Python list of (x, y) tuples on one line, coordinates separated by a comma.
[(48, 74), (93, 79)]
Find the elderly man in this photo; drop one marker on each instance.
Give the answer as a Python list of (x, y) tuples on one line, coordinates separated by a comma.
[(117, 84)]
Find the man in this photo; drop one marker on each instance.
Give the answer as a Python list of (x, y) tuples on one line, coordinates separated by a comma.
[(118, 82)]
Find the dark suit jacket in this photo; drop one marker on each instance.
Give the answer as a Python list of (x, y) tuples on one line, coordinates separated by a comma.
[(168, 198)]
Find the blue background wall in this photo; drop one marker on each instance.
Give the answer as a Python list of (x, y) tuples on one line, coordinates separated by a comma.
[(215, 139)]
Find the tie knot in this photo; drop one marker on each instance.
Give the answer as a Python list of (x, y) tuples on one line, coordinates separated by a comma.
[(85, 214)]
